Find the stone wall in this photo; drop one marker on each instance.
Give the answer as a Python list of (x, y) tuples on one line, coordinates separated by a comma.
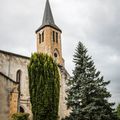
[(63, 87), (8, 97), (13, 100), (9, 65)]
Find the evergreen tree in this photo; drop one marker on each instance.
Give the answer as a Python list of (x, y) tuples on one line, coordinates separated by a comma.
[(44, 87), (87, 95), (118, 111)]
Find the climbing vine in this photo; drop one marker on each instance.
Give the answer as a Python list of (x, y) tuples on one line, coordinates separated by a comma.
[(44, 87)]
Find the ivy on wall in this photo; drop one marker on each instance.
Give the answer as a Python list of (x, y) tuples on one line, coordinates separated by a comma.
[(44, 87)]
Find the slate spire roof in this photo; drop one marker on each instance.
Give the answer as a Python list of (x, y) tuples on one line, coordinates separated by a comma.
[(48, 18)]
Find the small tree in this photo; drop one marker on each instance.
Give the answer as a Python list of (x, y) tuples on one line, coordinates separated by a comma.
[(87, 94), (44, 87)]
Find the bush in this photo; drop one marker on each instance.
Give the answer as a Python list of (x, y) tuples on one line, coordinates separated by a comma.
[(20, 116)]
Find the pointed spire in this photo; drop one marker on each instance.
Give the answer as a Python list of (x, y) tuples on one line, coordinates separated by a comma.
[(48, 18)]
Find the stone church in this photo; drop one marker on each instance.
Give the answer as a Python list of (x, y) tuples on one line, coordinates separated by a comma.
[(14, 81)]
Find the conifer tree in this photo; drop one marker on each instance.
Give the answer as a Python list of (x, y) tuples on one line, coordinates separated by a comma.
[(87, 95), (118, 111), (44, 87)]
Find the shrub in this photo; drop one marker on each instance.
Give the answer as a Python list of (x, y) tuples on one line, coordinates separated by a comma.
[(20, 116)]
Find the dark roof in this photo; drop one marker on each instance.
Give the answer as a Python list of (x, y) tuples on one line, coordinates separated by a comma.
[(14, 54), (48, 18), (8, 78)]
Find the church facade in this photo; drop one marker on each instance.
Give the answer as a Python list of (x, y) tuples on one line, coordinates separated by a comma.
[(14, 66)]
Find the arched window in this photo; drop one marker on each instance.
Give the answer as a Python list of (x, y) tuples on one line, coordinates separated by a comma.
[(18, 76), (56, 55), (22, 109)]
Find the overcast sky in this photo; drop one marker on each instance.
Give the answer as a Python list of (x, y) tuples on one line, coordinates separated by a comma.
[(96, 23)]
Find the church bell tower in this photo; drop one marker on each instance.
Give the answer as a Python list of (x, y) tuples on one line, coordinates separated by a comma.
[(49, 36)]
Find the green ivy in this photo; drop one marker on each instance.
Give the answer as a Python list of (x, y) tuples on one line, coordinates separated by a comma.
[(44, 87), (20, 116)]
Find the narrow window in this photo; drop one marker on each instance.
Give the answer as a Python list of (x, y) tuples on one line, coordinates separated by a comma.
[(43, 36), (39, 38), (56, 37), (18, 76), (53, 36), (18, 79)]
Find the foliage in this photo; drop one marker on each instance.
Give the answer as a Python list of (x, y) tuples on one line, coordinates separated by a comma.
[(44, 87), (20, 116), (118, 111), (87, 96)]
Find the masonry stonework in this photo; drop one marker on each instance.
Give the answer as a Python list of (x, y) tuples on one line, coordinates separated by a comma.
[(9, 65), (49, 46), (8, 97), (13, 101), (63, 111)]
